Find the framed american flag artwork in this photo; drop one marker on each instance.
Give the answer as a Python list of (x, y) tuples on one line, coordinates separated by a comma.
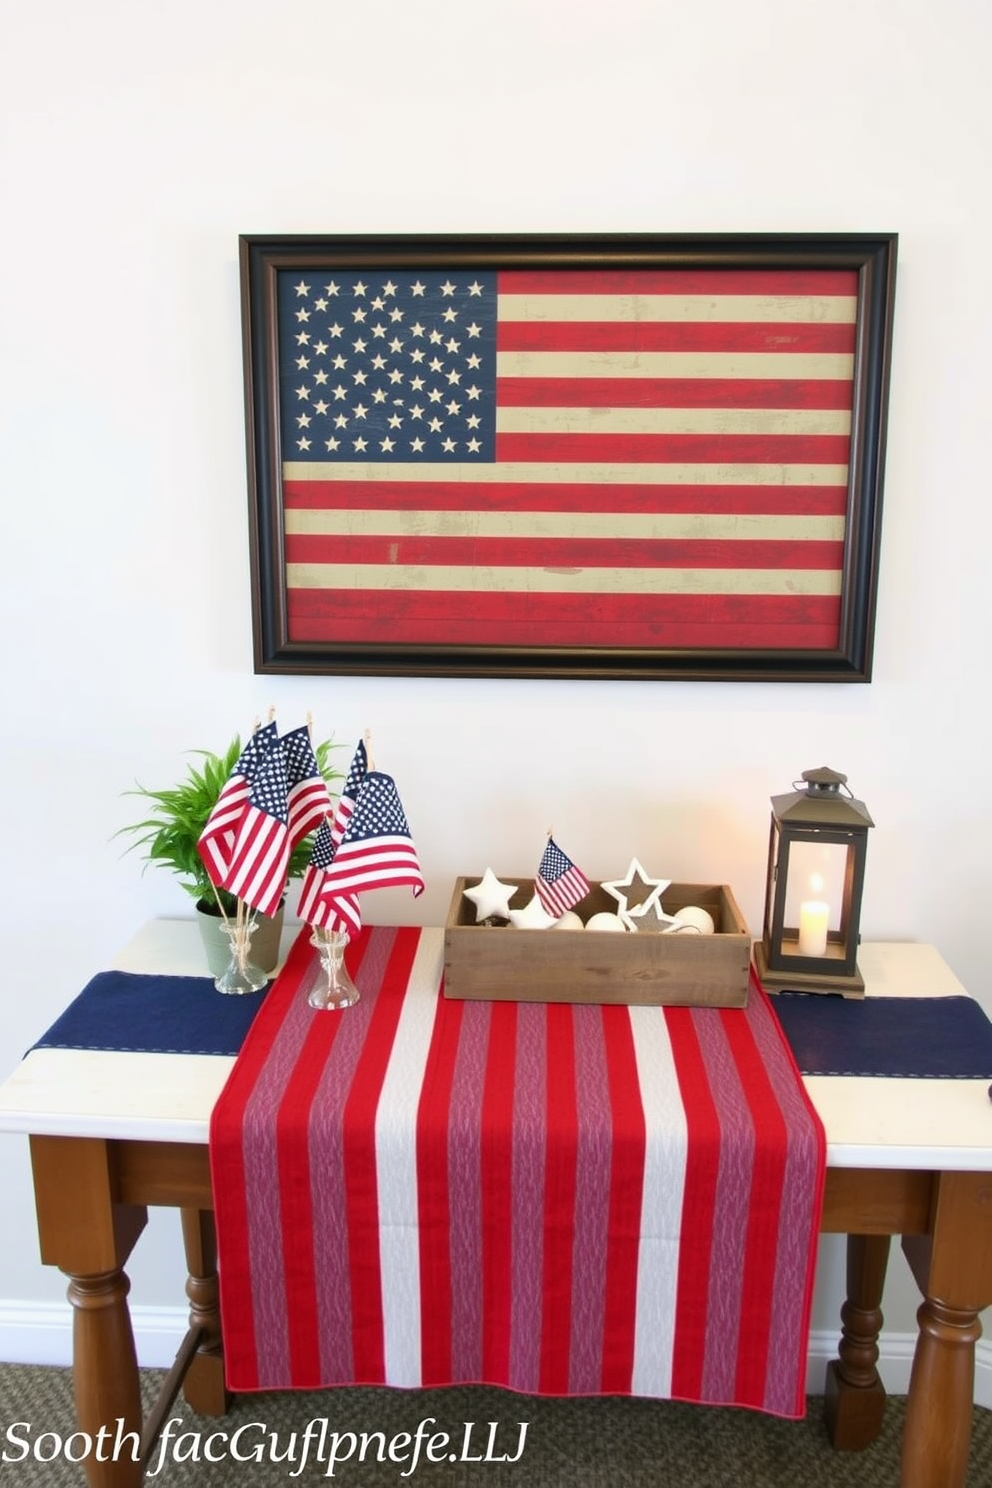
[(583, 456)]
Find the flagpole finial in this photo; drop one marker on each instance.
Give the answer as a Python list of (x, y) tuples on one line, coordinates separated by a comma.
[(550, 833), (368, 748), (310, 724), (256, 725), (272, 711)]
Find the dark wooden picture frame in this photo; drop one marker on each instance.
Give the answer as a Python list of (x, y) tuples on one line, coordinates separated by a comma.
[(582, 456)]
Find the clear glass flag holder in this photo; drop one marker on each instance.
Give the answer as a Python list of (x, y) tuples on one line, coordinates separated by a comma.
[(240, 975), (335, 989)]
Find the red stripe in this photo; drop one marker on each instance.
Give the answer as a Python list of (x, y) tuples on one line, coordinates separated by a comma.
[(660, 281), (578, 496), (674, 449), (227, 1166), (670, 622), (759, 1251), (671, 392), (626, 1187), (295, 1200), (559, 1201), (569, 552), (698, 1205), (496, 1156), (434, 1193), (358, 1123), (673, 335)]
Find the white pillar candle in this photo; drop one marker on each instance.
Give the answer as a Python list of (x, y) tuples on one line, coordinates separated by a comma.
[(814, 915)]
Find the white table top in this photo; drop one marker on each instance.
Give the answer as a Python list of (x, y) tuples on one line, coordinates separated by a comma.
[(869, 1123)]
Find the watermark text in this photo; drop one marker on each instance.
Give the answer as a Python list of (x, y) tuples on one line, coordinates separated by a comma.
[(254, 1442)]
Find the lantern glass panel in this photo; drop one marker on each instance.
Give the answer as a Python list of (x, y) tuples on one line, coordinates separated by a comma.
[(816, 875)]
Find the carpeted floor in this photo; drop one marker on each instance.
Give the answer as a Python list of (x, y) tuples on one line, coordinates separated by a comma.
[(601, 1443)]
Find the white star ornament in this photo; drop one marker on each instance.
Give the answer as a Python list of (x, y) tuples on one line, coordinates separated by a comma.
[(533, 916), (491, 897), (636, 892)]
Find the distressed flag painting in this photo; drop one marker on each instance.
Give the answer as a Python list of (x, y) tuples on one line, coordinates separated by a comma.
[(474, 456), (586, 456)]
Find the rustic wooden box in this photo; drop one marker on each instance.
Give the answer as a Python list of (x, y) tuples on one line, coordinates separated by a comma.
[(500, 963)]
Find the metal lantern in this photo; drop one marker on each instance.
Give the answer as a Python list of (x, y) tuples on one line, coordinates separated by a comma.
[(816, 874)]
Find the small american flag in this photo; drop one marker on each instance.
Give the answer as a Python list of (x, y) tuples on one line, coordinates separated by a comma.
[(308, 798), (260, 855), (315, 908), (377, 850), (559, 884), (346, 801), (217, 838)]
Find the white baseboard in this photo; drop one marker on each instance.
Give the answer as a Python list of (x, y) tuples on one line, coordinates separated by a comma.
[(41, 1333)]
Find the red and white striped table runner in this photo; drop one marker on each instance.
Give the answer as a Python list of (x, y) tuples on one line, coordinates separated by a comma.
[(561, 1199)]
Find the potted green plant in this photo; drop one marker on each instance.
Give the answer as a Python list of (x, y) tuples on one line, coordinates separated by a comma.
[(168, 836)]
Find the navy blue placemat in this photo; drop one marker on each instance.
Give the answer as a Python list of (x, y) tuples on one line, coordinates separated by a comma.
[(922, 1038), (125, 1012)]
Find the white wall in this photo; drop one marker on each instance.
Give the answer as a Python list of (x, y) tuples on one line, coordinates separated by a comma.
[(140, 138)]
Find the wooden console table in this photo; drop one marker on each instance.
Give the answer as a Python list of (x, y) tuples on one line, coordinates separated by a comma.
[(112, 1133)]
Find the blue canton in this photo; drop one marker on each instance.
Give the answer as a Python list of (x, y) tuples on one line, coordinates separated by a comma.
[(379, 812), (269, 787), (301, 762), (380, 366)]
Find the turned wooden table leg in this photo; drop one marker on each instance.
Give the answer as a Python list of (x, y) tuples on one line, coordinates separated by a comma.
[(89, 1235), (204, 1387), (937, 1435), (854, 1402), (953, 1268), (105, 1379)]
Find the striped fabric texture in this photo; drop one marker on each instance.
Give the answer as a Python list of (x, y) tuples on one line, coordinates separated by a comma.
[(561, 1199)]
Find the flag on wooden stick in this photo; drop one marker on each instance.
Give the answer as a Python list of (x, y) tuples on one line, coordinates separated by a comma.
[(308, 798), (376, 850), (216, 841), (559, 884), (315, 908), (260, 856)]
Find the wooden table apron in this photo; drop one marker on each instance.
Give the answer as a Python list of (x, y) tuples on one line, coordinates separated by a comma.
[(92, 1194)]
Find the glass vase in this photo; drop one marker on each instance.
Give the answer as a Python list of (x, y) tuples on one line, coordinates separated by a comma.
[(335, 989), (240, 975)]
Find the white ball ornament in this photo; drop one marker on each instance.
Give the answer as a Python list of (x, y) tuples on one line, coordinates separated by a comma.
[(604, 920), (568, 921), (693, 919)]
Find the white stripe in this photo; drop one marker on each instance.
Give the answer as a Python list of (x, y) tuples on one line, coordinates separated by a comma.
[(482, 579), (217, 853), (715, 308), (246, 863), (666, 1145), (356, 879), (735, 421), (788, 365), (670, 526), (268, 873), (396, 1165), (587, 472)]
